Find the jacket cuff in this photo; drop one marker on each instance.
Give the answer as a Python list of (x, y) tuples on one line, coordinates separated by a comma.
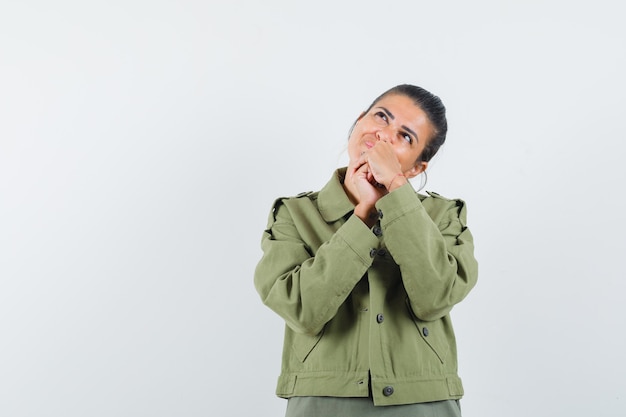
[(359, 238), (397, 203)]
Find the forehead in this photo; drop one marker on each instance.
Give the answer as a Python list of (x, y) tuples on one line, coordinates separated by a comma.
[(403, 109)]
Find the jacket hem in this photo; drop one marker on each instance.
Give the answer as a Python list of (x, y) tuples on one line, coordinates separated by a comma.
[(383, 391)]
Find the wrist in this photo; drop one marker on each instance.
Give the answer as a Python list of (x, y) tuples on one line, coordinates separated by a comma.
[(368, 215), (396, 182)]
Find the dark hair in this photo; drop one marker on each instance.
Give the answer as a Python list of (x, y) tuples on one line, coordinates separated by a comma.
[(434, 109)]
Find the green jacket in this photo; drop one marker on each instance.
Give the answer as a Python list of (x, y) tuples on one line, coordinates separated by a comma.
[(367, 310)]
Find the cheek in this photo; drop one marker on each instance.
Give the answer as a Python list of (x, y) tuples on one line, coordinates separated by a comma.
[(352, 148), (408, 157), (353, 139)]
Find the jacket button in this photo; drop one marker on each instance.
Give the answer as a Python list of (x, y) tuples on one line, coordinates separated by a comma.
[(387, 391), (380, 214), (380, 318), (377, 230), (373, 252), (425, 331), (382, 252)]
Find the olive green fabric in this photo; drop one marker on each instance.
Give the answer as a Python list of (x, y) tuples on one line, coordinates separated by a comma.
[(367, 310), (364, 407)]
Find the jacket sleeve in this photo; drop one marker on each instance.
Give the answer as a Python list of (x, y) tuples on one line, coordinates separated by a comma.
[(304, 287), (434, 249)]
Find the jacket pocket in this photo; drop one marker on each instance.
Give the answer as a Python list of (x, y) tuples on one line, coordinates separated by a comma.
[(432, 333), (304, 344)]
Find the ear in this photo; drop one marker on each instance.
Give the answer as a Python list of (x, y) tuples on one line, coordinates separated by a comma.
[(416, 170)]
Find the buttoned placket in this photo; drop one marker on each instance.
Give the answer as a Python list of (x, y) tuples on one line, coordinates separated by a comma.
[(378, 315)]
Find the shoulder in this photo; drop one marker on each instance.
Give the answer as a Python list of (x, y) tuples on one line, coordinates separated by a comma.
[(437, 198), (301, 198), (284, 205), (442, 208)]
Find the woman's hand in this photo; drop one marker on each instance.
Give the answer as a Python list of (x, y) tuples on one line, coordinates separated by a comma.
[(384, 165), (368, 190), (373, 175)]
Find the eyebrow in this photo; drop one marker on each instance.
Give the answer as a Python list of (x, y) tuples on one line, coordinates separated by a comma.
[(392, 117)]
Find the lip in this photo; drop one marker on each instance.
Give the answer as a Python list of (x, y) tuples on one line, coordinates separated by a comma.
[(369, 144)]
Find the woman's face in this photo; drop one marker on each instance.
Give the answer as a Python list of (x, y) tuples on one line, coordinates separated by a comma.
[(398, 121)]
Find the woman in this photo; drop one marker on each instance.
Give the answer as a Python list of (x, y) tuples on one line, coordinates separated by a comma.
[(366, 271)]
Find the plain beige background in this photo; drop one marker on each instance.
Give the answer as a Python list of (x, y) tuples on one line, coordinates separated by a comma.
[(142, 144)]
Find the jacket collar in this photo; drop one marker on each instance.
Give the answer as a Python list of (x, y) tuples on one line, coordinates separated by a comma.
[(332, 201)]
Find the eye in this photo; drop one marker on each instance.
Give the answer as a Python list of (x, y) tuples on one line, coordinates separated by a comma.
[(407, 137), (381, 116)]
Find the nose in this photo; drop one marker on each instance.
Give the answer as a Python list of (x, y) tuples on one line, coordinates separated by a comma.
[(382, 135)]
